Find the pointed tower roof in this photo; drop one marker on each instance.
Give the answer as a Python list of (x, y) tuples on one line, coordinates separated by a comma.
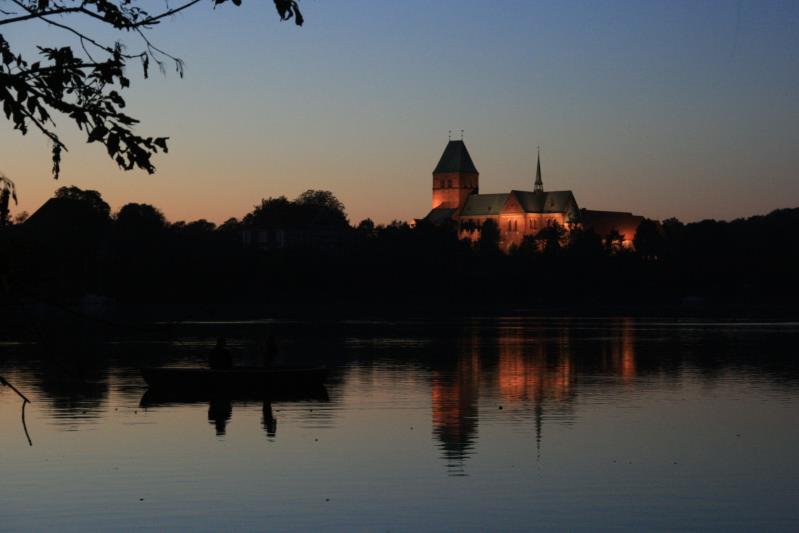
[(455, 159), (539, 183)]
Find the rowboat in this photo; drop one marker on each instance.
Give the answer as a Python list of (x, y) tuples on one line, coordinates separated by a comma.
[(170, 398), (239, 380)]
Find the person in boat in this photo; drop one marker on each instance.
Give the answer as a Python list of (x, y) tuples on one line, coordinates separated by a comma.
[(220, 357), (270, 351)]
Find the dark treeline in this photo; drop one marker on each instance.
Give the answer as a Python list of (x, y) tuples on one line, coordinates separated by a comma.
[(294, 254)]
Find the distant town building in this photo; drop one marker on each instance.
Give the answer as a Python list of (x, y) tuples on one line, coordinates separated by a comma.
[(517, 214), (268, 238)]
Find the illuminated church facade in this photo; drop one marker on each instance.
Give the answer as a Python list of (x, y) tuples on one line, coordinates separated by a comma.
[(517, 214)]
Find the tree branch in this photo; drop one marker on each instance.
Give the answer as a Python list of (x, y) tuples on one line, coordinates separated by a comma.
[(25, 401), (33, 15), (13, 388), (86, 38), (155, 19)]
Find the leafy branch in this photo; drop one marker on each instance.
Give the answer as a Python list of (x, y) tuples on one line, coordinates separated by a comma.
[(86, 89)]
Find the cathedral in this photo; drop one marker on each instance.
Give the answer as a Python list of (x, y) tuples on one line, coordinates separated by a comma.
[(517, 214)]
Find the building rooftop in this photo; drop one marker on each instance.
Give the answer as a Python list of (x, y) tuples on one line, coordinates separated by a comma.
[(484, 204), (455, 158), (439, 215), (531, 202), (546, 202)]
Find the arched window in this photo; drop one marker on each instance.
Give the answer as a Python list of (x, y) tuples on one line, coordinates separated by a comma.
[(515, 225)]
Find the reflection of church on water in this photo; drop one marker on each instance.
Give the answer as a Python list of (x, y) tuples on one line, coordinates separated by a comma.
[(455, 412), (521, 377)]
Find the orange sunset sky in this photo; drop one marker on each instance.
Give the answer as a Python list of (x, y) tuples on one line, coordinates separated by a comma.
[(664, 109)]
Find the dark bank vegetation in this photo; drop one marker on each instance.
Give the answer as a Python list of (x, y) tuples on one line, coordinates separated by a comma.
[(290, 255)]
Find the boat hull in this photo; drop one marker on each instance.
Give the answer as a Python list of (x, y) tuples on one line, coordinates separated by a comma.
[(237, 380)]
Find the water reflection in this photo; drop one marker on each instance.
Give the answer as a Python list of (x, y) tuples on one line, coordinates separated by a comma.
[(535, 373), (268, 421), (220, 410), (77, 389), (220, 407), (528, 374), (454, 398)]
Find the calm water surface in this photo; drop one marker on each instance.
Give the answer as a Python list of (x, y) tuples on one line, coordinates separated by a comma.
[(484, 424)]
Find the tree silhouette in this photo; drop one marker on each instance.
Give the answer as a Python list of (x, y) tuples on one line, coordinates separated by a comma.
[(648, 241), (313, 208), (7, 193), (489, 237), (321, 208), (585, 243), (139, 220), (528, 249), (271, 212), (83, 85), (613, 241), (366, 226), (88, 199), (70, 247), (320, 199), (552, 236)]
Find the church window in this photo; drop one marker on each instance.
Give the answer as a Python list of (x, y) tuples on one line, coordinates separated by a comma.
[(509, 225), (449, 183), (515, 225)]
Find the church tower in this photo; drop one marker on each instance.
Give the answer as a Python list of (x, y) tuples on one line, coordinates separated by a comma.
[(539, 183), (455, 177)]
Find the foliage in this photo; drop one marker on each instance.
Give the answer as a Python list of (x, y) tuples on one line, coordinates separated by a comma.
[(614, 241), (489, 237), (7, 193), (325, 199), (649, 240), (71, 248), (84, 85), (93, 200), (271, 212), (585, 244), (367, 226), (552, 235), (140, 219), (313, 208)]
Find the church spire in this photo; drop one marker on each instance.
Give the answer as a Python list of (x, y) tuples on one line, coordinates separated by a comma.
[(539, 185)]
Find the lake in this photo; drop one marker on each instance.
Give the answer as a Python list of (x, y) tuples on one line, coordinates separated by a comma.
[(502, 424)]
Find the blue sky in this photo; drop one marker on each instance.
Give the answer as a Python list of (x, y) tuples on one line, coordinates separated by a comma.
[(687, 109)]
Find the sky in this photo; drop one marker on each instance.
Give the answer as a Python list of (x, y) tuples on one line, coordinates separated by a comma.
[(673, 108)]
